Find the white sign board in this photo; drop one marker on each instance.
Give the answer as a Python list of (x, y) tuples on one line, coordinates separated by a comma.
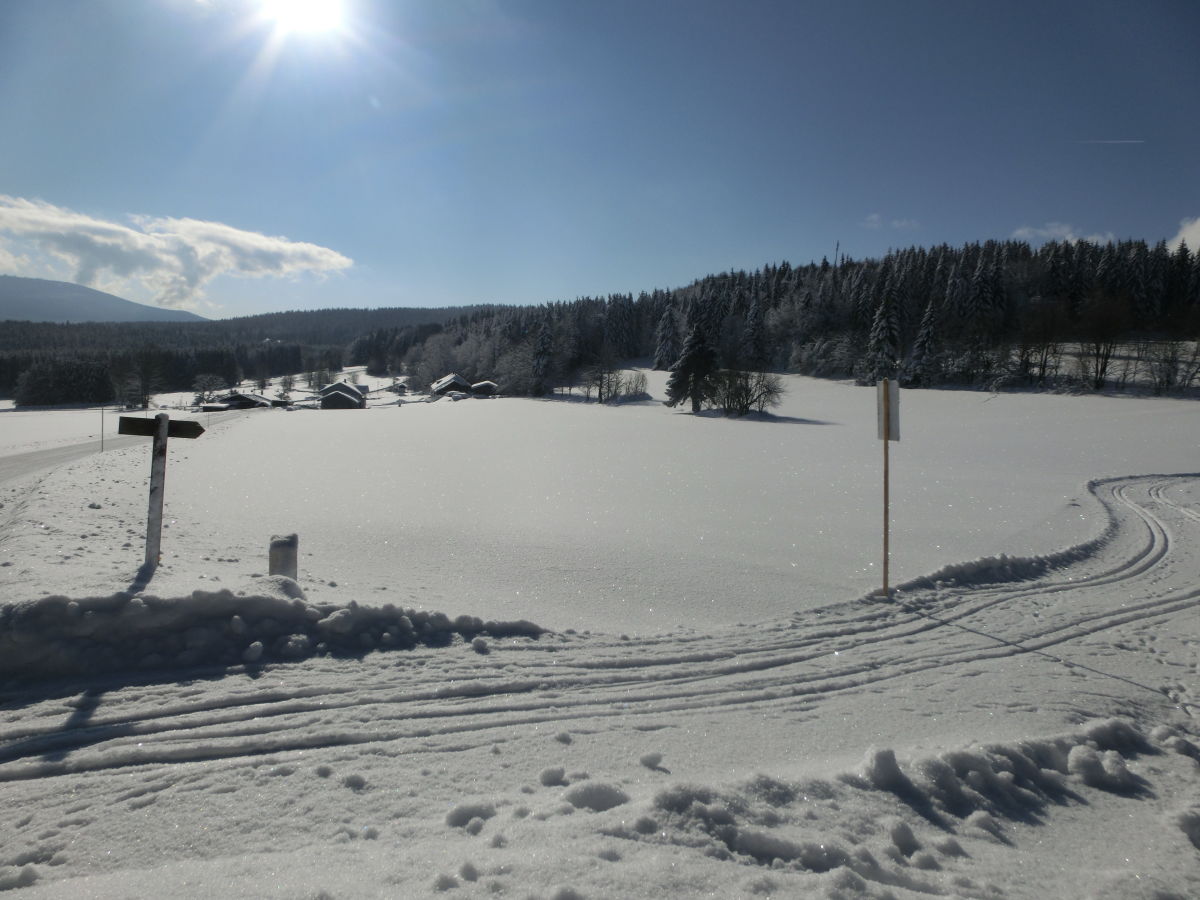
[(889, 410)]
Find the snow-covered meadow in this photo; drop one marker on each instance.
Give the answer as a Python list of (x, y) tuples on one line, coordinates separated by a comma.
[(716, 707)]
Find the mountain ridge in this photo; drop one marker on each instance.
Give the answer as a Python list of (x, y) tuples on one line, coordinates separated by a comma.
[(43, 300)]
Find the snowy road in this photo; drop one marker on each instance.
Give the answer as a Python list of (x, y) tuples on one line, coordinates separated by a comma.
[(16, 466), (22, 465)]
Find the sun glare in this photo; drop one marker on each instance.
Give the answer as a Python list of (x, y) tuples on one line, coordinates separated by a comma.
[(304, 16)]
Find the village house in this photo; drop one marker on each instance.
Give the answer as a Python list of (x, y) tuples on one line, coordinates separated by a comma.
[(448, 383), (344, 395), (238, 400)]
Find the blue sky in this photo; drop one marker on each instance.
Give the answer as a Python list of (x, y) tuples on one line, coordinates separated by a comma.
[(196, 153)]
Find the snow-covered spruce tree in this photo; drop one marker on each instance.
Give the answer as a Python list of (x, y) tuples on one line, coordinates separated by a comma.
[(666, 349), (693, 375), (883, 343), (543, 350), (752, 350), (920, 369)]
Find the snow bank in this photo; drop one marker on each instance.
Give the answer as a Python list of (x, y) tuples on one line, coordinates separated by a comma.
[(59, 636), (1004, 568)]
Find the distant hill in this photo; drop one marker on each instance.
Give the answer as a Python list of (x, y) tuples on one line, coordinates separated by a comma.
[(40, 300)]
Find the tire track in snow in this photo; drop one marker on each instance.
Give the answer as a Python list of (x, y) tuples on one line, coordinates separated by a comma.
[(533, 684)]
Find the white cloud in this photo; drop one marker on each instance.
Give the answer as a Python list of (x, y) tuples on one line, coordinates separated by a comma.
[(12, 262), (172, 258), (1059, 231), (1189, 230), (875, 221)]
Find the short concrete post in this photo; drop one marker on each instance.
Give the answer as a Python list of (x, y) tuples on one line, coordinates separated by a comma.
[(284, 552)]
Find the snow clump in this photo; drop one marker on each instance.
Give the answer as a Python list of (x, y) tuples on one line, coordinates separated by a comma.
[(461, 815), (596, 796)]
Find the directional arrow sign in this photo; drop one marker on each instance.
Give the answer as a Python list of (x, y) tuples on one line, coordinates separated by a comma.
[(147, 427), (160, 428)]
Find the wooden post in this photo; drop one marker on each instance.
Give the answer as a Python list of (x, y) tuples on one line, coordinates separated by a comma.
[(887, 437), (158, 479), (889, 430), (284, 550), (160, 429)]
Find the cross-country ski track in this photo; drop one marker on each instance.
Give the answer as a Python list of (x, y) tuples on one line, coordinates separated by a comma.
[(787, 667)]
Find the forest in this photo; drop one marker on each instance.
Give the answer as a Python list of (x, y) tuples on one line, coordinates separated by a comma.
[(995, 315), (43, 364)]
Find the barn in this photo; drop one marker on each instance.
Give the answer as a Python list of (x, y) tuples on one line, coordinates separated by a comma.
[(337, 397), (244, 401), (451, 382)]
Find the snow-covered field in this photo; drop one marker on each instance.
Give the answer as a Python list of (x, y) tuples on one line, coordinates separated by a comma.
[(717, 708)]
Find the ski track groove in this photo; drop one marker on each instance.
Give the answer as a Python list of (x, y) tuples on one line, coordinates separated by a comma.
[(727, 667)]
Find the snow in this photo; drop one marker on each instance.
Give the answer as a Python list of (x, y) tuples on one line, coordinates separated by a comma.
[(716, 707)]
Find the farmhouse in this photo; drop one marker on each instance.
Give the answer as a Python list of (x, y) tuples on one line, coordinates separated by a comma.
[(244, 401), (342, 397), (345, 387), (451, 382), (484, 388)]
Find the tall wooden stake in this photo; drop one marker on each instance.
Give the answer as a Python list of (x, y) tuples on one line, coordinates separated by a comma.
[(887, 438), (158, 480)]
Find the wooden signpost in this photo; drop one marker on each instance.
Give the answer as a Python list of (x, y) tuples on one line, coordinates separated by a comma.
[(889, 430), (160, 428)]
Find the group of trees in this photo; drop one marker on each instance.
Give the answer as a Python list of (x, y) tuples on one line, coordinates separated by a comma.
[(45, 377), (45, 363), (982, 315), (989, 314)]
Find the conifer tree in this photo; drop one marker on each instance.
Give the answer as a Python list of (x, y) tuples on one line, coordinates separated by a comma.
[(753, 348), (543, 348), (883, 343), (693, 376), (666, 350), (919, 369)]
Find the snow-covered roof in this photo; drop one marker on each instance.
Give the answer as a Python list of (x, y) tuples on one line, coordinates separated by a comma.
[(453, 380), (237, 396), (345, 386), (342, 397)]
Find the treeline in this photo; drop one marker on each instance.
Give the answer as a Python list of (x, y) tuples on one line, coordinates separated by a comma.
[(45, 378), (994, 314), (990, 315), (46, 363)]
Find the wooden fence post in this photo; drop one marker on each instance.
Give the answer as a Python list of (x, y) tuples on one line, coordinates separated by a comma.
[(158, 480), (284, 552)]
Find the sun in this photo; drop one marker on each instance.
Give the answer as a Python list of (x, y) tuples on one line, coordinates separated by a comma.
[(304, 16)]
